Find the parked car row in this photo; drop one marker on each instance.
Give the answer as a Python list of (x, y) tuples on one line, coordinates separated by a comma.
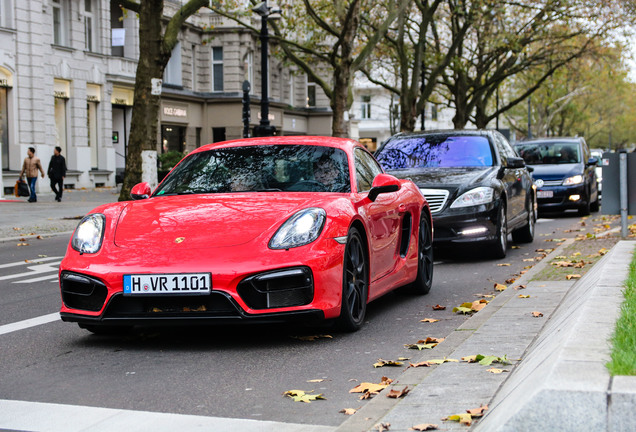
[(310, 228)]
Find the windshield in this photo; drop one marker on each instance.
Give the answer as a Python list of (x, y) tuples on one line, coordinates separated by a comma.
[(272, 168), (436, 151), (549, 153)]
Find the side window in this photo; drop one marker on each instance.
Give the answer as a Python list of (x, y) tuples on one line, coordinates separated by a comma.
[(366, 170), (505, 151)]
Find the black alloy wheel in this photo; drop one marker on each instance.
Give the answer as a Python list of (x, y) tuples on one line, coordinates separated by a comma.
[(424, 280), (500, 247), (355, 283)]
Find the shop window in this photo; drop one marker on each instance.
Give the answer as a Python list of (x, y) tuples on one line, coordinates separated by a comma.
[(91, 125), (311, 92), (217, 69), (365, 107), (248, 67), (4, 128), (172, 73), (61, 125), (218, 134), (195, 71), (434, 112), (173, 138), (60, 22)]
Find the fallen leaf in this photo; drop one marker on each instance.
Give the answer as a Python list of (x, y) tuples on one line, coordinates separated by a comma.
[(500, 287), (39, 237), (302, 396), (510, 281), (42, 256), (420, 364), (371, 388), (463, 310), (381, 363), (381, 427), (464, 419), (576, 254), (348, 411), (23, 244), (524, 296), (440, 361), (424, 427), (537, 314), (477, 412), (16, 229), (470, 359), (518, 287), (429, 320), (489, 359), (503, 265), (439, 307), (496, 371), (395, 394), (515, 247), (315, 380), (573, 276)]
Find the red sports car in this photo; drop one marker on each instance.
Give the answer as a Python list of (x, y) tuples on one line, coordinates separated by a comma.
[(254, 230)]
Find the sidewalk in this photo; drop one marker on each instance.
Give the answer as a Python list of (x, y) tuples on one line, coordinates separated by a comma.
[(47, 216), (539, 390)]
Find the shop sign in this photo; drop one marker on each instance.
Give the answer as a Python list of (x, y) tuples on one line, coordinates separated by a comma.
[(173, 111)]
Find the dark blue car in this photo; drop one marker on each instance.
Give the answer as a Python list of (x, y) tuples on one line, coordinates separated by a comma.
[(564, 174)]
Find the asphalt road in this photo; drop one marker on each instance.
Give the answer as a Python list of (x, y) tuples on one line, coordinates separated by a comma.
[(219, 371)]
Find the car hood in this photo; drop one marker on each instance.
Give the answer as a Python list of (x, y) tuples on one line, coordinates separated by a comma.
[(204, 221), (446, 177), (556, 171)]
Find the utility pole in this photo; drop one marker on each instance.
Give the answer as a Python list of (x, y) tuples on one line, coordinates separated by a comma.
[(529, 117)]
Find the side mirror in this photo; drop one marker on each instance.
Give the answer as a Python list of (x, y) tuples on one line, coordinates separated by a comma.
[(383, 183), (592, 161), (140, 191), (515, 162)]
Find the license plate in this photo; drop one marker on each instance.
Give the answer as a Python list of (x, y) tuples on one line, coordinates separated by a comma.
[(545, 194), (162, 284)]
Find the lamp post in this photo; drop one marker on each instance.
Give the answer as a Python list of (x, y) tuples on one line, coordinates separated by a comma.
[(264, 128)]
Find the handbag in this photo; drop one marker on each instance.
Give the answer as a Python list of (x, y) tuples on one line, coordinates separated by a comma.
[(21, 188)]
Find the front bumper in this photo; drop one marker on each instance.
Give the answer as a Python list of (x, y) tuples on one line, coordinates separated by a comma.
[(302, 283), (560, 199), (466, 225)]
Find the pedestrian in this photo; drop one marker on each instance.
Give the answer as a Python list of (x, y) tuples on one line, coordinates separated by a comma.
[(30, 167), (57, 173)]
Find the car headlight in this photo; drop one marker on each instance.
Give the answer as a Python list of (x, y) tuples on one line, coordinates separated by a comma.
[(302, 228), (480, 195), (89, 233), (574, 180)]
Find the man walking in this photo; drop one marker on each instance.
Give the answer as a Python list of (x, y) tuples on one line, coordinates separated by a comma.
[(57, 172), (30, 166)]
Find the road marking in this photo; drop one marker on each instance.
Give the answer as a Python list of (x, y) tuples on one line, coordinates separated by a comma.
[(33, 261), (34, 270), (32, 322), (38, 279), (50, 417)]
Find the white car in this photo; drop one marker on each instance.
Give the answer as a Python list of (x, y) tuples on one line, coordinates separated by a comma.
[(598, 154)]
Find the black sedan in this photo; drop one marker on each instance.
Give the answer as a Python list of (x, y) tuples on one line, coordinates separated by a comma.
[(478, 188)]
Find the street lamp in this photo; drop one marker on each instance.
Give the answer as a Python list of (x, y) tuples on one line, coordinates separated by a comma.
[(265, 12)]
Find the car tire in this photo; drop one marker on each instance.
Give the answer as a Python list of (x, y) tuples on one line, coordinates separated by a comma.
[(584, 209), (596, 205), (355, 283), (525, 234), (500, 246), (424, 280)]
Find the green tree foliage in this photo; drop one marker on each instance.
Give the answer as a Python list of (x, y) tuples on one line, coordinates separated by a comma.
[(157, 38), (324, 39), (589, 97)]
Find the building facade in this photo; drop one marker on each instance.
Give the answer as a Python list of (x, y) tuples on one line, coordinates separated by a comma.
[(67, 73)]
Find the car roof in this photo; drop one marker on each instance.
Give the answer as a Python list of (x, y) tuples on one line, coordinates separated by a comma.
[(551, 140), (345, 144), (460, 132)]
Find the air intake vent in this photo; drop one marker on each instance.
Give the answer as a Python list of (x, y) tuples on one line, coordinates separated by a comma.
[(436, 199)]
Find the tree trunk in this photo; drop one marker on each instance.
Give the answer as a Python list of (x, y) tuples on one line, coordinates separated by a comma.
[(152, 61), (340, 102)]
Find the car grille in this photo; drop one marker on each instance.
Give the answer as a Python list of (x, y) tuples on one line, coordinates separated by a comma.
[(436, 198), (552, 182)]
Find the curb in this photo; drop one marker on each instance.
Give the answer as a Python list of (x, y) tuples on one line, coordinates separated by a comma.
[(378, 407), (562, 383)]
